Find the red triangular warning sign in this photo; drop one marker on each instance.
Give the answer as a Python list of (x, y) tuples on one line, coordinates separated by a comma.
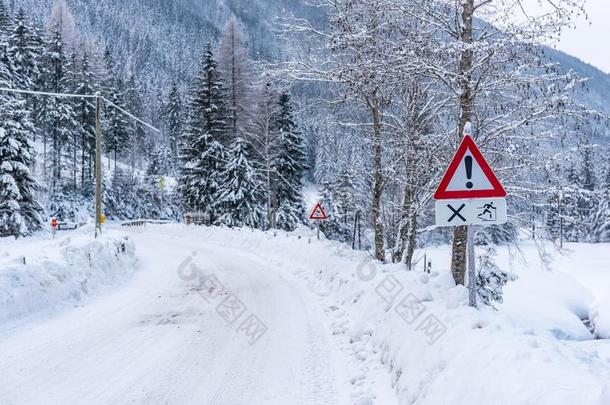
[(318, 213), (469, 175)]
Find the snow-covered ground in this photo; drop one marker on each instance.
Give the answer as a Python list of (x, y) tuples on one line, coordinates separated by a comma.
[(218, 316), (42, 274)]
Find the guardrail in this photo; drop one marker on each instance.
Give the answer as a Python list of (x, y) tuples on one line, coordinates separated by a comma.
[(143, 222)]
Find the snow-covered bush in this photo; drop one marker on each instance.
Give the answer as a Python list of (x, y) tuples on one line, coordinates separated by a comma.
[(600, 318), (71, 205), (491, 278)]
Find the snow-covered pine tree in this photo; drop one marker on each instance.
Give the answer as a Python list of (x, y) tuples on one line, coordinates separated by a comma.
[(345, 192), (108, 73), (26, 52), (490, 278), (160, 165), (241, 196), (160, 162), (122, 198), (567, 204), (587, 176), (60, 114), (202, 149), (290, 165), (116, 131), (75, 144), (333, 228), (605, 171), (137, 136), (323, 167), (5, 17), (85, 110), (577, 208), (588, 198), (20, 213), (601, 217), (6, 28), (173, 119)]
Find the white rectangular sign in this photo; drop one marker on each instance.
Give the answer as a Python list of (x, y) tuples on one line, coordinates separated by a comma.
[(480, 211)]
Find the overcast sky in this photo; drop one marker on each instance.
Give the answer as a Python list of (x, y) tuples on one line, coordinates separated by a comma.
[(590, 41)]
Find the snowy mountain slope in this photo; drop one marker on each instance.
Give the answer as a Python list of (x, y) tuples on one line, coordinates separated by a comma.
[(598, 83), (595, 95), (162, 40), (161, 37)]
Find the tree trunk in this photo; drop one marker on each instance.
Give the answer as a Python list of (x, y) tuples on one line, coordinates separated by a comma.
[(458, 252), (75, 160), (403, 227), (54, 160), (407, 239), (274, 203), (233, 85), (82, 159), (44, 156), (411, 238), (378, 183)]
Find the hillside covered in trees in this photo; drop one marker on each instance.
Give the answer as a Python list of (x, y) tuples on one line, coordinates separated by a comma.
[(255, 99)]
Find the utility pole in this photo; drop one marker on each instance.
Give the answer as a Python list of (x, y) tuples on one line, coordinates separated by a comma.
[(472, 275), (98, 167), (356, 232)]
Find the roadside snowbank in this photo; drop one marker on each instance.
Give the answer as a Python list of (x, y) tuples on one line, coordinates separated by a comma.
[(438, 350), (70, 271), (600, 318)]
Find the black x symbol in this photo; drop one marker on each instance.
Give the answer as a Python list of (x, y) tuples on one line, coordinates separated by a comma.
[(456, 213)]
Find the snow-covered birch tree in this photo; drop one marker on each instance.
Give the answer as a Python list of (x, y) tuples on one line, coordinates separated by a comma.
[(490, 56)]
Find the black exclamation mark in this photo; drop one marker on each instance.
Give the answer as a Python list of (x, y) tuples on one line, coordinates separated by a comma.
[(468, 162)]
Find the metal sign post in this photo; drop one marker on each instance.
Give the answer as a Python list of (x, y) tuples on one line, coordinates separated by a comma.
[(318, 214), (470, 194), (472, 277)]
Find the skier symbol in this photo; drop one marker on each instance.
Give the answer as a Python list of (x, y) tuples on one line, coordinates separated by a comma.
[(489, 212)]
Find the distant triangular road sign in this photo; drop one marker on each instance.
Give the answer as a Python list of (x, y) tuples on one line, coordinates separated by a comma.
[(318, 213), (469, 175)]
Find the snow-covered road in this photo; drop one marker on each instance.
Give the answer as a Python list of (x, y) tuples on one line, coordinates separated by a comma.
[(163, 339), (295, 321)]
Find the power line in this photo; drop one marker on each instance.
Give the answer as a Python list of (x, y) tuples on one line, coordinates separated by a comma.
[(89, 96), (98, 139), (130, 115), (45, 93)]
